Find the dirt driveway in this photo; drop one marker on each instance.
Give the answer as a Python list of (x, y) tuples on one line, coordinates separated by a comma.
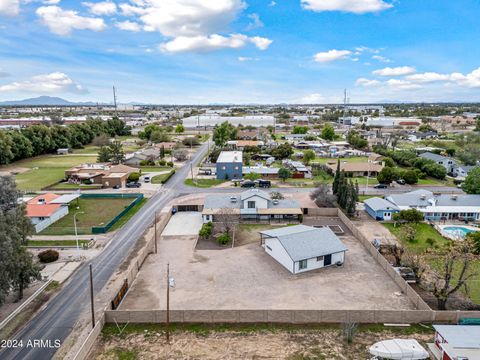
[(245, 277)]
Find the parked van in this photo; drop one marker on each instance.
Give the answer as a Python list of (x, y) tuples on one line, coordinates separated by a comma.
[(146, 179), (264, 183)]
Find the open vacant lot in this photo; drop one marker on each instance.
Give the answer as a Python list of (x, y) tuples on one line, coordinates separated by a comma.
[(245, 277), (246, 342), (39, 172), (96, 212)]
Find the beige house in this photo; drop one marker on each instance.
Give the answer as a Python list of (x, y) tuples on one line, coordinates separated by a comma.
[(106, 174), (356, 169)]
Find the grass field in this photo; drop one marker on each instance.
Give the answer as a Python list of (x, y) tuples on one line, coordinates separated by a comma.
[(150, 169), (203, 183), (424, 232), (45, 170), (96, 212), (56, 243), (124, 219)]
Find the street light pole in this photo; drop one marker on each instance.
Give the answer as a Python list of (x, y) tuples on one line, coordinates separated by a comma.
[(75, 225)]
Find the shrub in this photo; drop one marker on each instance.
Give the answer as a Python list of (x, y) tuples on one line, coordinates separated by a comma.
[(134, 177), (223, 239), (48, 256), (349, 330), (206, 230), (167, 176), (170, 164), (430, 241), (162, 162)]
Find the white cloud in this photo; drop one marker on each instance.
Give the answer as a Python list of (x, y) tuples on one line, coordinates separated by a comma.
[(256, 22), (366, 82), (213, 42), (56, 82), (128, 26), (316, 98), (189, 18), (244, 58), (402, 84), (131, 10), (51, 2), (101, 8), (260, 42), (396, 71), (272, 4), (470, 80), (331, 55), (9, 7), (62, 22), (353, 6), (381, 58)]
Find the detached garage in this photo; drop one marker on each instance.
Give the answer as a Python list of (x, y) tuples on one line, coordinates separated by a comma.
[(303, 248)]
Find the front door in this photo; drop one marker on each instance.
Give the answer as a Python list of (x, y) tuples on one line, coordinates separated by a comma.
[(327, 260)]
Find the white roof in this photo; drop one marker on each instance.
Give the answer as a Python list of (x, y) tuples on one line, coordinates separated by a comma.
[(65, 199), (399, 349), (460, 336), (230, 157)]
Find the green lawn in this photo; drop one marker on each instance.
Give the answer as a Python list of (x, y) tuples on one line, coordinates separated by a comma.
[(424, 232), (124, 219), (56, 243), (434, 182), (149, 169), (97, 212), (89, 149), (45, 170), (362, 198), (66, 185), (473, 284), (353, 159), (203, 183)]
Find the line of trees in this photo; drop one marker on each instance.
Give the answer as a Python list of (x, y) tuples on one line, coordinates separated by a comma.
[(42, 139), (17, 269), (410, 159), (345, 191)]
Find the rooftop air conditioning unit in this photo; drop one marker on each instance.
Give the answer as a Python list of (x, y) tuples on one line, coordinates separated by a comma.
[(423, 196), (275, 202), (233, 199), (454, 197)]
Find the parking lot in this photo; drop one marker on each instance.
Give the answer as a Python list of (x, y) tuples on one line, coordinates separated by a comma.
[(245, 277)]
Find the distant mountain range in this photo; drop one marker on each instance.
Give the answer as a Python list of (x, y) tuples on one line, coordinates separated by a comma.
[(47, 101)]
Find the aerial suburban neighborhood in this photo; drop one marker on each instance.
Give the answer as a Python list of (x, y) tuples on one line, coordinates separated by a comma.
[(227, 183)]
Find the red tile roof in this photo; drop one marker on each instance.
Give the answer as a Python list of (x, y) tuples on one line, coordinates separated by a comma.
[(42, 210), (47, 197)]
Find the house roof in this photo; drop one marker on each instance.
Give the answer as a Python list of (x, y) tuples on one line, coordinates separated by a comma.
[(230, 157), (377, 203), (42, 210), (254, 192), (355, 167), (305, 242), (424, 198), (435, 157), (48, 197), (460, 336), (65, 199)]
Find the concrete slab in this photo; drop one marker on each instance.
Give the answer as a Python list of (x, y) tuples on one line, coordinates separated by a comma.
[(184, 224)]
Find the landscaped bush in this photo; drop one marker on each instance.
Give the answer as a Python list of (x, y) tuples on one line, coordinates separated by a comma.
[(48, 256), (223, 239), (134, 177), (168, 176), (162, 162), (170, 164), (206, 230)]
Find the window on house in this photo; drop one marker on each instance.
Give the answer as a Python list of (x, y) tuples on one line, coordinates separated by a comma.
[(302, 264), (268, 247), (251, 204), (236, 167), (319, 258), (224, 168)]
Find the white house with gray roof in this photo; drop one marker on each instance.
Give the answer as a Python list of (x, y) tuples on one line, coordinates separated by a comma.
[(303, 248), (251, 205), (448, 163), (435, 207)]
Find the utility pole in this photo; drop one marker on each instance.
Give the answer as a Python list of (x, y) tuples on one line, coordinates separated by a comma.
[(91, 297), (191, 170), (115, 100), (168, 303), (155, 232)]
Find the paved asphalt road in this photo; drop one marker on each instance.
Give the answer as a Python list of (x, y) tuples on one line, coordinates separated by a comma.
[(57, 319)]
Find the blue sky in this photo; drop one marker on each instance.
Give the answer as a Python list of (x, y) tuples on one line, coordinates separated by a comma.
[(234, 51)]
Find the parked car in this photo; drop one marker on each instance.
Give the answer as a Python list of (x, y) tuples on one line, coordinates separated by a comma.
[(264, 183), (116, 187), (248, 184), (133, 185), (380, 186), (400, 181)]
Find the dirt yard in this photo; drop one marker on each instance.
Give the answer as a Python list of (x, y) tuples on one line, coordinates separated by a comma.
[(245, 277), (248, 343)]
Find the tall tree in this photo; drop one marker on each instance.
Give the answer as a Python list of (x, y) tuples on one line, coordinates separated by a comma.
[(336, 179)]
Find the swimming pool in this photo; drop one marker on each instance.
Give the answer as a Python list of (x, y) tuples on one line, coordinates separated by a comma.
[(458, 230)]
